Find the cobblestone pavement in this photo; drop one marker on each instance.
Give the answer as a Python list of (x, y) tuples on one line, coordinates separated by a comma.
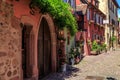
[(103, 65)]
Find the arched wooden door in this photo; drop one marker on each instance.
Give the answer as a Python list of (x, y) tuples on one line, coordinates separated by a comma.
[(44, 49)]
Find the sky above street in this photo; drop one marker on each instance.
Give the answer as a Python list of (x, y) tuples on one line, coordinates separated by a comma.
[(118, 9)]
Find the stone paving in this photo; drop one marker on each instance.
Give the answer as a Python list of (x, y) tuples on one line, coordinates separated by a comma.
[(100, 67)]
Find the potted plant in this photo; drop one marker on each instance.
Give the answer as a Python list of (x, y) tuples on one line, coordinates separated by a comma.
[(63, 64), (71, 56), (77, 56), (113, 39), (95, 48)]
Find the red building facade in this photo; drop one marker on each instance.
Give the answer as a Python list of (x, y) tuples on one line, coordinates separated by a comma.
[(33, 45), (90, 23)]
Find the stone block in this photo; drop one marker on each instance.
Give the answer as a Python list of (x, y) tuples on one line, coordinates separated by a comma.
[(1, 64), (3, 54)]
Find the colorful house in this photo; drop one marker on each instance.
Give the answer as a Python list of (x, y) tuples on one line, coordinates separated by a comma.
[(90, 23), (109, 8)]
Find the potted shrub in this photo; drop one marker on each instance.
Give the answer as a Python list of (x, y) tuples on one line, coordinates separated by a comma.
[(95, 48)]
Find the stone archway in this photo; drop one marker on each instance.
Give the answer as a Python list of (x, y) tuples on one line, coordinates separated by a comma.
[(46, 46)]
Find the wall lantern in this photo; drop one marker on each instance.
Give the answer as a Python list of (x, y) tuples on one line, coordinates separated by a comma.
[(61, 35), (61, 32)]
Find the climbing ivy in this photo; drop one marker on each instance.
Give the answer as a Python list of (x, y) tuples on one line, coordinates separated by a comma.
[(60, 11)]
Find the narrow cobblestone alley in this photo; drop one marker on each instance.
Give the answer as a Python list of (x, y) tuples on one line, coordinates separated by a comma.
[(103, 66)]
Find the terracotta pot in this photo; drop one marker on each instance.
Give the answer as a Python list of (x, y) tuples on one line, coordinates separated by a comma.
[(63, 67)]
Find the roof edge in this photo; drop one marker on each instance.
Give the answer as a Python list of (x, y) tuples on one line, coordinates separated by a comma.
[(116, 3)]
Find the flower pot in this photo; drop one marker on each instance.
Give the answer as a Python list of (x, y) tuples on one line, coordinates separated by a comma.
[(63, 67), (72, 61), (93, 52)]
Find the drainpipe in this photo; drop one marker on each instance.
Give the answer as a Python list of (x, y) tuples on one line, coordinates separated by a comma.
[(75, 5)]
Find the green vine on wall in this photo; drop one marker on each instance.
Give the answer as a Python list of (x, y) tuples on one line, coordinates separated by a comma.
[(60, 11)]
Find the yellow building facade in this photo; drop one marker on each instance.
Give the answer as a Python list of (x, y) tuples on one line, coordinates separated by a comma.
[(109, 8)]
